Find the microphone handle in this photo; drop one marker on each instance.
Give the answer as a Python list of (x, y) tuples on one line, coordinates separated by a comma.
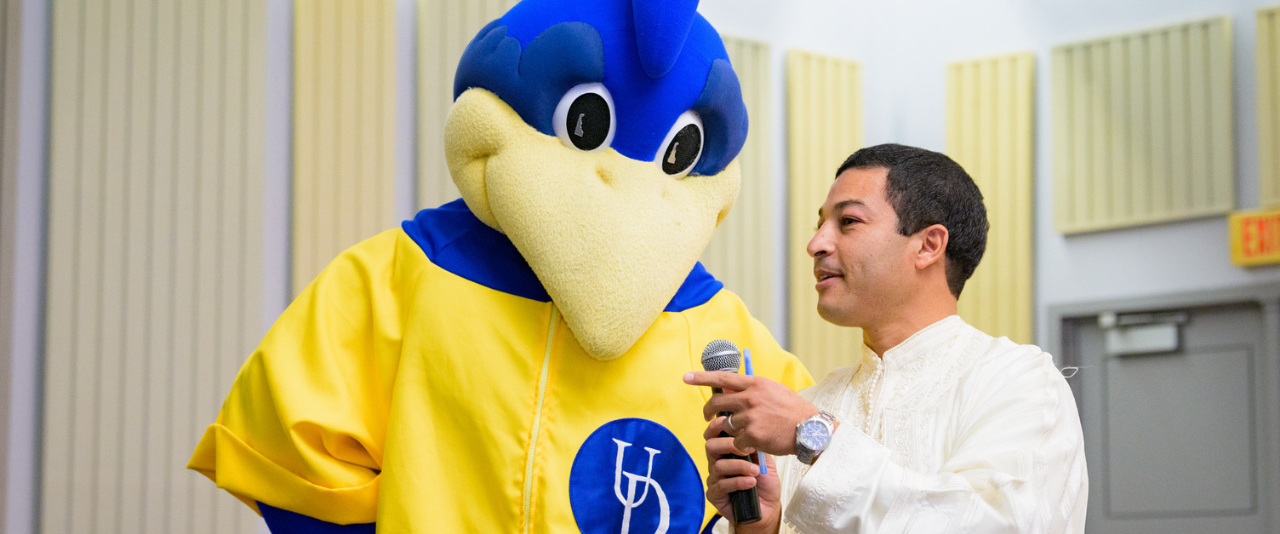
[(746, 503)]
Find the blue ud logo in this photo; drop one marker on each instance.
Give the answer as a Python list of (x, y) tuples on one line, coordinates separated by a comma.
[(632, 476)]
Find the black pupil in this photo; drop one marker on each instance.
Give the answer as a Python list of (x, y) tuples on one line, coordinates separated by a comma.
[(683, 150), (588, 121)]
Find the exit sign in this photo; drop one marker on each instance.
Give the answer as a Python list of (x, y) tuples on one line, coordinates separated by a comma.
[(1255, 237)]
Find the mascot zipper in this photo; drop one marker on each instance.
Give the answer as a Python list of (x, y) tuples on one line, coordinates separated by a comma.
[(537, 417)]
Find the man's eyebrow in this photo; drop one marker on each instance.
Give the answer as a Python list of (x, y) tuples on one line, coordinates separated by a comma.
[(841, 205)]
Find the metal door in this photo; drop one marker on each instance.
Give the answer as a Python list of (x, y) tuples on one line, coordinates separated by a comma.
[(1174, 428)]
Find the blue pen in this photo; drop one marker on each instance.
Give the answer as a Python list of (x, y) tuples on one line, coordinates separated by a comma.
[(746, 357)]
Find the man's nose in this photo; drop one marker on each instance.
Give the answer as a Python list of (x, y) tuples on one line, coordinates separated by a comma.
[(820, 245)]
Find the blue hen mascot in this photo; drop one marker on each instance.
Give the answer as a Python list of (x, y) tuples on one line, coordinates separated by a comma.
[(512, 361)]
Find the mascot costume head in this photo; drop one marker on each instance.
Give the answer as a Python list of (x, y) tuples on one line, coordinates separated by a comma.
[(600, 137), (512, 361)]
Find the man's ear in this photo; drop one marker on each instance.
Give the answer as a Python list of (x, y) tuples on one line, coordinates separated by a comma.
[(933, 246)]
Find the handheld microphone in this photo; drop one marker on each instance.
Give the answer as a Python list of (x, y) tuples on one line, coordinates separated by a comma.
[(721, 355)]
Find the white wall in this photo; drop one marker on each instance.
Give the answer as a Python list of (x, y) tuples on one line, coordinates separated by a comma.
[(905, 46)]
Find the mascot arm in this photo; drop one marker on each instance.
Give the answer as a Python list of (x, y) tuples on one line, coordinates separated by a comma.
[(304, 425)]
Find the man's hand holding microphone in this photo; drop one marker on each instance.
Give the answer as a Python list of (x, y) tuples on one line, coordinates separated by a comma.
[(747, 414)]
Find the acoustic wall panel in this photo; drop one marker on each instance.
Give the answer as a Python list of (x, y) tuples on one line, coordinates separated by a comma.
[(1142, 127), (824, 126), (344, 128), (990, 104), (444, 29), (154, 267), (739, 254), (1268, 48)]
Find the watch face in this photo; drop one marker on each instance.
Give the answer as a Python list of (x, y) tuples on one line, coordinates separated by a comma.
[(814, 436)]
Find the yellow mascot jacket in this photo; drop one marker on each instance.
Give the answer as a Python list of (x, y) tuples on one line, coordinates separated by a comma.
[(427, 382)]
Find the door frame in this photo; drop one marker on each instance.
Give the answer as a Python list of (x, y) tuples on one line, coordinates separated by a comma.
[(1266, 295)]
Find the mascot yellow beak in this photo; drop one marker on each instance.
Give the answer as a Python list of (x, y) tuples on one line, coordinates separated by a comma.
[(610, 238)]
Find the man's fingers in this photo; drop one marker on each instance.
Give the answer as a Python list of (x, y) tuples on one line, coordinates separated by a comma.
[(724, 402), (718, 447), (719, 379), (721, 488), (726, 486), (713, 429), (726, 468)]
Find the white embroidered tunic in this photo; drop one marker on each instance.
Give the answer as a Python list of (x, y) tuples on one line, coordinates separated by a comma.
[(961, 433)]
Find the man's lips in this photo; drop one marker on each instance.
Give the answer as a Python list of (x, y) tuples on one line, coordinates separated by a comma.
[(823, 275)]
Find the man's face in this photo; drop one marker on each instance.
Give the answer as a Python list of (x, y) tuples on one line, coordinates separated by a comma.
[(861, 262)]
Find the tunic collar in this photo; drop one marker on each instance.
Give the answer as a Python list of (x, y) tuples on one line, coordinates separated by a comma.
[(919, 345)]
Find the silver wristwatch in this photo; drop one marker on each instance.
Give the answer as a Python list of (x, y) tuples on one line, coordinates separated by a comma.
[(813, 435)]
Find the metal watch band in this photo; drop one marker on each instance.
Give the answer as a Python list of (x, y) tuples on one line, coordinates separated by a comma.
[(806, 455)]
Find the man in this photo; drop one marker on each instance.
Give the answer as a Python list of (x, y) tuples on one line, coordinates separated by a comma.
[(937, 427)]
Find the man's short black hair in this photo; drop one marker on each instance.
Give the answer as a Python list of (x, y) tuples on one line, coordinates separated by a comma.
[(927, 188)]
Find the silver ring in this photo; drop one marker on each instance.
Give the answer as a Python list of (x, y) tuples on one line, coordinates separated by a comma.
[(728, 421)]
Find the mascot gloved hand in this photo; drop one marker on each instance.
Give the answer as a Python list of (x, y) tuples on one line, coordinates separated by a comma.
[(512, 361)]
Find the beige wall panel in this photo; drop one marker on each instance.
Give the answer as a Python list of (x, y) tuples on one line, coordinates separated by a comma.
[(1268, 50), (138, 195), (444, 29), (989, 132), (344, 117), (739, 253), (1142, 127), (163, 305), (67, 52), (111, 280), (184, 278), (154, 281), (306, 113), (824, 126)]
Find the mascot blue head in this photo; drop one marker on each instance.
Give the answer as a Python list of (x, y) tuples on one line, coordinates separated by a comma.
[(600, 136)]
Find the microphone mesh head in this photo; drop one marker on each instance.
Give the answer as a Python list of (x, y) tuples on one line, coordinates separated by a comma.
[(720, 355)]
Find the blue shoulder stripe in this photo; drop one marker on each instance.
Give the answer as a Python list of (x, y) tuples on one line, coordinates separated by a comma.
[(696, 290), (456, 241), (286, 522)]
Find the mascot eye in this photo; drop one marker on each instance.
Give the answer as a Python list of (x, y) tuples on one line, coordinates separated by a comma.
[(683, 145), (584, 118)]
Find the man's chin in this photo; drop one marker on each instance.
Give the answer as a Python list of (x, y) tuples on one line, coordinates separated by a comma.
[(835, 316)]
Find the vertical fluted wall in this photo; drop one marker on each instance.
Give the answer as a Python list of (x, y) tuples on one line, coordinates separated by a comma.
[(990, 107), (1143, 127), (344, 128), (154, 267), (1268, 50), (824, 126)]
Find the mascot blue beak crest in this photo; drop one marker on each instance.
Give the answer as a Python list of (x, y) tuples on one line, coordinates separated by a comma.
[(600, 136), (662, 27)]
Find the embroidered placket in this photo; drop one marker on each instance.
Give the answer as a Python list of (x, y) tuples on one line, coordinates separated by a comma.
[(872, 399)]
